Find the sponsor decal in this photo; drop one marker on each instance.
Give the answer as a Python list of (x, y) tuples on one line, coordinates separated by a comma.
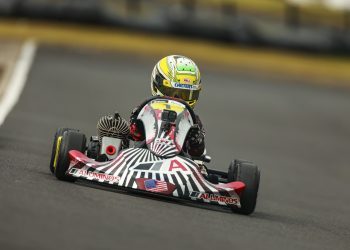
[(214, 197), (175, 164), (155, 186), (185, 86), (99, 176), (169, 165)]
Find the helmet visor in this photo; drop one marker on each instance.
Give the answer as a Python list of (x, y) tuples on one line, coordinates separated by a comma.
[(184, 94)]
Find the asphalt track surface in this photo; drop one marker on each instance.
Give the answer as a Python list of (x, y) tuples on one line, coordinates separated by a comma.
[(298, 135)]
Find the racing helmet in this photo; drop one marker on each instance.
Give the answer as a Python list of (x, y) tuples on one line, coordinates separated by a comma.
[(177, 76)]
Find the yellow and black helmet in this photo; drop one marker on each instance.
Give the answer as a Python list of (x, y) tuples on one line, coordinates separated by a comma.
[(177, 76)]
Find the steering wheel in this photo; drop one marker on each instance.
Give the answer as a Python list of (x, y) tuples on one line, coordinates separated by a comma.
[(193, 115)]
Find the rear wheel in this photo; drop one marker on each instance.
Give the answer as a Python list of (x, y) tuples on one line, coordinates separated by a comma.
[(249, 174), (70, 140)]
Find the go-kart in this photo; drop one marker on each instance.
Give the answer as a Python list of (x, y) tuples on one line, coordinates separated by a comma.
[(159, 166)]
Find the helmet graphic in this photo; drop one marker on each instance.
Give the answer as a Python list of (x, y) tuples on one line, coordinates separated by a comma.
[(177, 76)]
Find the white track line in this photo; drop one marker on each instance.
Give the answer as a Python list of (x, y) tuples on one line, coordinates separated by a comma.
[(18, 79)]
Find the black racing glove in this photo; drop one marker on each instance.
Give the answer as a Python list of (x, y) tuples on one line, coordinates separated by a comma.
[(195, 136)]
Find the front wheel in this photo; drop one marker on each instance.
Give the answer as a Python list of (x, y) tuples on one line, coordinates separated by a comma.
[(71, 140), (249, 174), (55, 147)]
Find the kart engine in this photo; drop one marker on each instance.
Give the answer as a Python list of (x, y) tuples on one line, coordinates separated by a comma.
[(112, 126)]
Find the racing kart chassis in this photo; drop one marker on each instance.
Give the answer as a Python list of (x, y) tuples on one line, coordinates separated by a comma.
[(160, 168), (177, 177)]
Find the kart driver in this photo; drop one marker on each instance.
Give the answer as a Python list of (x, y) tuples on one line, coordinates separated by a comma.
[(173, 76), (178, 77)]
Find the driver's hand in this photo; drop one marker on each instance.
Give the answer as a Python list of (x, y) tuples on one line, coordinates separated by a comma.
[(195, 135)]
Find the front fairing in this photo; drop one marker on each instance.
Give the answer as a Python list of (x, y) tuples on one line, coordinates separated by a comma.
[(164, 138)]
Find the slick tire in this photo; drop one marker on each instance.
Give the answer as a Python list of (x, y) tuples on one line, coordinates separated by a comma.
[(56, 140), (249, 174), (71, 140)]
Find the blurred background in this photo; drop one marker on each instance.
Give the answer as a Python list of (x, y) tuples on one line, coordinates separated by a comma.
[(276, 77), (311, 37), (310, 25)]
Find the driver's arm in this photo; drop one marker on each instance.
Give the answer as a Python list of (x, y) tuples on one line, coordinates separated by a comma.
[(137, 130), (195, 144)]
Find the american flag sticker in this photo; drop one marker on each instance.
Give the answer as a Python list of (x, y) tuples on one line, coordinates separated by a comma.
[(156, 186)]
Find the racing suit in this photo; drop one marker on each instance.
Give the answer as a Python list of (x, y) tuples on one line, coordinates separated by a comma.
[(194, 145)]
